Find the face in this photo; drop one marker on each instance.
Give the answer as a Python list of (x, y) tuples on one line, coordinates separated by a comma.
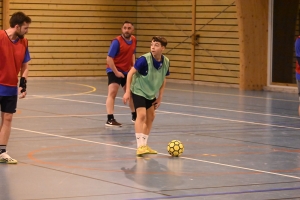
[(127, 30), (156, 48), (22, 30)]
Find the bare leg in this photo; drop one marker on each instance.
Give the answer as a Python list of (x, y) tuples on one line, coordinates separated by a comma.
[(150, 115), (140, 119), (5, 127), (110, 101)]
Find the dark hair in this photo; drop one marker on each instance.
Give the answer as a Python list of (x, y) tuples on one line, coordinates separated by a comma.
[(163, 41), (19, 18), (127, 22)]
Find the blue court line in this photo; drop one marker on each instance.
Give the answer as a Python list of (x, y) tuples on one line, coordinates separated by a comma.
[(221, 193)]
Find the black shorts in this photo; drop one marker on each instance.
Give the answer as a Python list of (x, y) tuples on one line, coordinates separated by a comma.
[(139, 101), (113, 79), (8, 104)]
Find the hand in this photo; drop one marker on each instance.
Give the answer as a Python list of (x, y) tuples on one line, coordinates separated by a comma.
[(156, 103), (22, 94), (119, 74), (126, 97)]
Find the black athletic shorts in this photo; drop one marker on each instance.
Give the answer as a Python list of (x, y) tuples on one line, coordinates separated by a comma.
[(113, 79), (139, 101), (8, 104)]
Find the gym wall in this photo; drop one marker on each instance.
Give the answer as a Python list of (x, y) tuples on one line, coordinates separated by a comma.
[(71, 38), (1, 15), (216, 49)]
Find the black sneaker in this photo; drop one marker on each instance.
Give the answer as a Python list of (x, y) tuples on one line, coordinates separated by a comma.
[(112, 122)]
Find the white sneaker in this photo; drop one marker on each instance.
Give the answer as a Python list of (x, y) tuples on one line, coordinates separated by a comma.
[(5, 158)]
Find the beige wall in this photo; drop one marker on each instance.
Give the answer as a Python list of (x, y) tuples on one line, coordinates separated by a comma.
[(71, 38), (216, 55), (1, 14)]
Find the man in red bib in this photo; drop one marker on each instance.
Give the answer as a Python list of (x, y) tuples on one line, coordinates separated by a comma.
[(120, 59), (14, 57)]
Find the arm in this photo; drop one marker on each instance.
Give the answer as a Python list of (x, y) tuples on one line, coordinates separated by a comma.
[(23, 80), (133, 59), (111, 64), (160, 94), (126, 96)]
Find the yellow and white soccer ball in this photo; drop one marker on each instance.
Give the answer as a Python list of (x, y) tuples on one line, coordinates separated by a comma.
[(175, 148)]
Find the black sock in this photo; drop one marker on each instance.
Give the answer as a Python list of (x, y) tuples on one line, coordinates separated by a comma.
[(110, 117), (2, 148), (133, 115)]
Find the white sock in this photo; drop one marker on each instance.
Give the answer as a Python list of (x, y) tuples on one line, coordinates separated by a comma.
[(145, 139), (139, 139)]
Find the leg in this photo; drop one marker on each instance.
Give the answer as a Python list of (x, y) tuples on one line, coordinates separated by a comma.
[(150, 115), (5, 127), (298, 85), (140, 119), (139, 123), (113, 87), (110, 103), (8, 107), (111, 96), (4, 136), (131, 105)]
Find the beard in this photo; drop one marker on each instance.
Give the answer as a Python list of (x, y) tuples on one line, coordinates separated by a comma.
[(20, 36), (126, 35)]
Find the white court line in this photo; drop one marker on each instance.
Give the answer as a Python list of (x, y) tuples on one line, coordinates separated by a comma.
[(234, 95), (219, 109), (231, 120), (190, 115), (186, 158), (58, 116)]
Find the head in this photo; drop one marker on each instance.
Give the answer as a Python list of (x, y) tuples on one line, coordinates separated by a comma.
[(127, 29), (158, 45), (20, 22)]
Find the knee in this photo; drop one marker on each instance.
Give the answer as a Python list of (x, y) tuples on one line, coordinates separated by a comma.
[(141, 117), (7, 119)]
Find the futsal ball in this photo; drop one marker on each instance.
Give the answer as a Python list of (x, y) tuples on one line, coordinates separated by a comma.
[(175, 148)]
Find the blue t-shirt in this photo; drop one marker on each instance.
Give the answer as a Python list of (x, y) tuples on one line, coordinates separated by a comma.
[(297, 51), (141, 65), (114, 50), (13, 90)]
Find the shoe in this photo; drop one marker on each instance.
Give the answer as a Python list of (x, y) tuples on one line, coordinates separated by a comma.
[(151, 151), (141, 150), (133, 120), (112, 122), (5, 158)]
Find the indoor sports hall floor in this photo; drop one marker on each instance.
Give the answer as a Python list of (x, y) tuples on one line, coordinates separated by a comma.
[(238, 145)]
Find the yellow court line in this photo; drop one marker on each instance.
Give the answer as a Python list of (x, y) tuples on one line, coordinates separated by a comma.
[(234, 95), (186, 158), (64, 95)]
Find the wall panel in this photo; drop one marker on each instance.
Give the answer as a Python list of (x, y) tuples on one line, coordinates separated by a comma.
[(1, 15), (72, 38), (217, 51), (171, 19)]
